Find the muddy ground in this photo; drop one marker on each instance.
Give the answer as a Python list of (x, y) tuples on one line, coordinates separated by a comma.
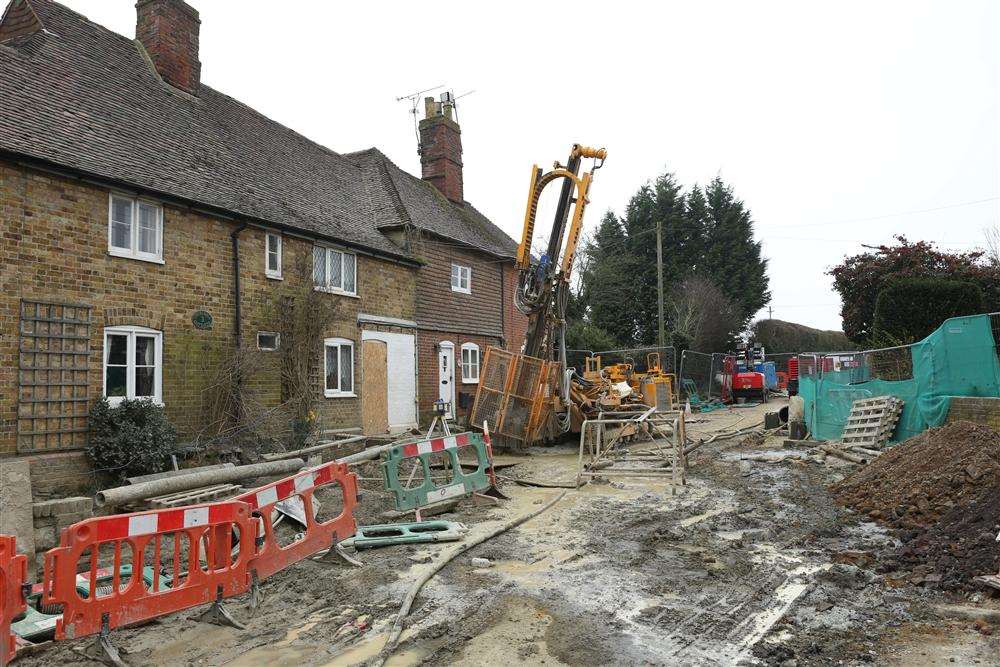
[(750, 563)]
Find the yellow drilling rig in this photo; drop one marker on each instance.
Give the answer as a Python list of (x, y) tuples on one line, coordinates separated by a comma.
[(533, 396)]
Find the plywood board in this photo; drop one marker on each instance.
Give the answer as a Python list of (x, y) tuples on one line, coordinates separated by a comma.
[(375, 390)]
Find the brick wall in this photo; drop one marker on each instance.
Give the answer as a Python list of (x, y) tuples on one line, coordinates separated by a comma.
[(53, 246), (975, 409), (429, 378)]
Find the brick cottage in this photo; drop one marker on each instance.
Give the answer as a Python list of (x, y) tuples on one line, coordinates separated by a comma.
[(145, 218)]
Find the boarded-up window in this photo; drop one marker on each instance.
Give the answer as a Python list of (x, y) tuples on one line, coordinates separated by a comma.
[(52, 376)]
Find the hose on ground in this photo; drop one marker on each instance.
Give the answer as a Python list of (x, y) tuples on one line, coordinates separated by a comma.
[(404, 610)]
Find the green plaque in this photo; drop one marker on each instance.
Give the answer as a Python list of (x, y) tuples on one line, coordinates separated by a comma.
[(202, 319)]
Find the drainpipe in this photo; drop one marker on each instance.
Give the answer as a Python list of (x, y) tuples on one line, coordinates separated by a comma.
[(237, 311)]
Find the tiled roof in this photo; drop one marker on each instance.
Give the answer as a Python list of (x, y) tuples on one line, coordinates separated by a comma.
[(84, 97), (417, 202)]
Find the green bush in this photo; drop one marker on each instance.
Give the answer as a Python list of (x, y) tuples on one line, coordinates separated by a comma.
[(132, 438), (908, 309)]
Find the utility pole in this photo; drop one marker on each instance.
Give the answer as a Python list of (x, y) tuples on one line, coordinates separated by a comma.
[(659, 280), (769, 312)]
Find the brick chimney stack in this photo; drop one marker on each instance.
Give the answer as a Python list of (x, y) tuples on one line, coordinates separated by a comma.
[(169, 31), (441, 147)]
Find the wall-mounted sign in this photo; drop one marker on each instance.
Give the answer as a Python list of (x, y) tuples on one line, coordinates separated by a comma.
[(202, 319)]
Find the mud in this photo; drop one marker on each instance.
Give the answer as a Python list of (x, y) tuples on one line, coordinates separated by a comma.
[(750, 563)]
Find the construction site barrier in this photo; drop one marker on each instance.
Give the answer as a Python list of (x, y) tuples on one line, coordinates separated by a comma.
[(269, 556), (13, 576), (458, 482), (129, 598)]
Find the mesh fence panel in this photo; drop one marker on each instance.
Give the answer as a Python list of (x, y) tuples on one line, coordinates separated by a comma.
[(696, 367), (958, 359), (492, 382), (894, 363), (720, 385)]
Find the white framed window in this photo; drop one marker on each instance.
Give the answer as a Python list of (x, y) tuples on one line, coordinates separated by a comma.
[(338, 367), (133, 364), (135, 228), (272, 256), (335, 270), (461, 279), (268, 341), (470, 363)]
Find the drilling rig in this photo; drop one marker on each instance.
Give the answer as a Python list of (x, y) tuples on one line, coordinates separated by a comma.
[(521, 395)]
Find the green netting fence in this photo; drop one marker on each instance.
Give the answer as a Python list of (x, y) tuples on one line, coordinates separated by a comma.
[(958, 359)]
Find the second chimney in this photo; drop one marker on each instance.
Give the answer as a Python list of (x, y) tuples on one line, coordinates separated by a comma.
[(168, 29), (441, 147)]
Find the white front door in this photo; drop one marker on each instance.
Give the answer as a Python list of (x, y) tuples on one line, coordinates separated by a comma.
[(446, 376)]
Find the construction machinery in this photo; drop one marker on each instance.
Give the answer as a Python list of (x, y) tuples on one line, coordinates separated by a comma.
[(523, 395), (750, 373), (534, 396)]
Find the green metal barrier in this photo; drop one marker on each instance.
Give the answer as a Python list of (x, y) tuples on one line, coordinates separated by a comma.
[(427, 490), (420, 532)]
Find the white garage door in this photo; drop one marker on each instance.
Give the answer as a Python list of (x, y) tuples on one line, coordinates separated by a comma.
[(402, 372)]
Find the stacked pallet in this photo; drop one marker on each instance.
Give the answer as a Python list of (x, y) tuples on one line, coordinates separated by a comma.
[(871, 422)]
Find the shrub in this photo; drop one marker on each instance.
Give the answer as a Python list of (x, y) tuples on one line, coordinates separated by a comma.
[(908, 309), (132, 438)]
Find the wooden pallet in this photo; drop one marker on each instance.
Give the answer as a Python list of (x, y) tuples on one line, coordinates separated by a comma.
[(195, 496), (872, 421)]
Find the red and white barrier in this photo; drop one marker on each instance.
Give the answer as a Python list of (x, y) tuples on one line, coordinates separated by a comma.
[(271, 557), (436, 445), (190, 582), (13, 575)]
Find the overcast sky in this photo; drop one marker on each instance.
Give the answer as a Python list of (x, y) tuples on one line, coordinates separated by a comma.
[(838, 123)]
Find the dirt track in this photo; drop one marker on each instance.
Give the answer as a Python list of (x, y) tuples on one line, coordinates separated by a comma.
[(751, 563)]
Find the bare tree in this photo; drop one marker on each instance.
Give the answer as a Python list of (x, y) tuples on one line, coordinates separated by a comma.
[(993, 245), (701, 316)]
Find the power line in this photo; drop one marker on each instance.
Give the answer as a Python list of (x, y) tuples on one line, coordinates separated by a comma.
[(892, 215)]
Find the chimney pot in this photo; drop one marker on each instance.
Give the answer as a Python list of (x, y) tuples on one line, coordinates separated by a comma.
[(169, 30)]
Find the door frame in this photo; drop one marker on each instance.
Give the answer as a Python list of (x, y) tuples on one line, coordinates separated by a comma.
[(443, 347)]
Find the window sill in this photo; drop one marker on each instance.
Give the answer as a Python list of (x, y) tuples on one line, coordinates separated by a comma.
[(115, 252), (273, 276), (339, 394), (461, 291), (115, 401), (475, 381), (331, 290)]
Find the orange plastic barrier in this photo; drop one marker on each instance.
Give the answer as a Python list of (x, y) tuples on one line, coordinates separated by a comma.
[(270, 556), (175, 536), (13, 575)]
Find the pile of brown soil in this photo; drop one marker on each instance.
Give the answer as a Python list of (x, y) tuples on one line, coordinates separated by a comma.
[(921, 479), (961, 546)]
